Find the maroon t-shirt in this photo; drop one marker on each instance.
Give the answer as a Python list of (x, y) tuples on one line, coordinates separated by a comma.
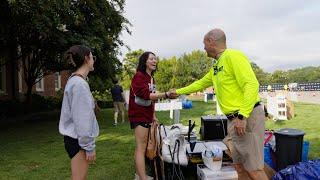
[(141, 86)]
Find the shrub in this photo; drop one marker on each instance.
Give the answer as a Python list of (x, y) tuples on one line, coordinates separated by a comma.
[(13, 108), (105, 104), (102, 96)]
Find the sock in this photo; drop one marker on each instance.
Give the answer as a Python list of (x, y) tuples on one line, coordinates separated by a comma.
[(116, 117)]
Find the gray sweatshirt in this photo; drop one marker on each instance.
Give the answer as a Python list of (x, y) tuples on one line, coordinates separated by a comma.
[(77, 119)]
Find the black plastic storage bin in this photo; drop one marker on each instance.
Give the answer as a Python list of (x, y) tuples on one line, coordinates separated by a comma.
[(289, 144), (213, 127)]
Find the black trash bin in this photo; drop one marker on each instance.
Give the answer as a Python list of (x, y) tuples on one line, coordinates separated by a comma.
[(289, 144)]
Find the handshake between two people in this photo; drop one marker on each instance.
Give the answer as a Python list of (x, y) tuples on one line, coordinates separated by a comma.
[(172, 94)]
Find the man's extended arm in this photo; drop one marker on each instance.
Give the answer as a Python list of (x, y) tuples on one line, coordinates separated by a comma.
[(198, 85)]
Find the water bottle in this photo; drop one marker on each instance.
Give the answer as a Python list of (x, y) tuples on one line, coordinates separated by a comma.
[(217, 154), (208, 153)]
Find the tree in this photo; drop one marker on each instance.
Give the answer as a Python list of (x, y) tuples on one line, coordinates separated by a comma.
[(43, 30), (279, 77), (130, 64), (38, 41), (6, 39), (99, 23), (192, 66), (179, 72), (8, 43), (263, 77), (305, 74), (166, 74)]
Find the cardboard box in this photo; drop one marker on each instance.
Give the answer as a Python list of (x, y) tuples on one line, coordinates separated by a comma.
[(227, 172)]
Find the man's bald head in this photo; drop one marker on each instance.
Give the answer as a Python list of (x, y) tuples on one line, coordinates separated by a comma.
[(214, 42), (216, 35)]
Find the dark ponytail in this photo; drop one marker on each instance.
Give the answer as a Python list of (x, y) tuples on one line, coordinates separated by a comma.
[(75, 56)]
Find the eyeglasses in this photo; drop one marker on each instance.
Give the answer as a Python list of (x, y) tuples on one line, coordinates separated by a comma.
[(94, 58)]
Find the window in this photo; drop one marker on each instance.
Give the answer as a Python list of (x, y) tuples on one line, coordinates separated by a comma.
[(57, 81), (39, 85), (2, 79)]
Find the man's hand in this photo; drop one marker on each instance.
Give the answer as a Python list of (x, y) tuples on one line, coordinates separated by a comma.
[(172, 94), (91, 157), (240, 126)]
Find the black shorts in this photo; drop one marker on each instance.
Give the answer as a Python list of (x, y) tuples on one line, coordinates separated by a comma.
[(71, 145), (143, 124)]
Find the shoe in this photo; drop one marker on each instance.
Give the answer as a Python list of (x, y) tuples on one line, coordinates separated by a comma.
[(114, 124)]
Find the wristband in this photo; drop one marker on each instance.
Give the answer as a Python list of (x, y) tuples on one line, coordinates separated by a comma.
[(240, 116)]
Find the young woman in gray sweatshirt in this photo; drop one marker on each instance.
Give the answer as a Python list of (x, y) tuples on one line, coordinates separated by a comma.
[(78, 123)]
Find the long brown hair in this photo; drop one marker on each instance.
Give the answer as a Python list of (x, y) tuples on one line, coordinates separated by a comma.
[(142, 66)]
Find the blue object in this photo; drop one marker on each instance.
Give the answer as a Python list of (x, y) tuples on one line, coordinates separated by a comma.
[(190, 104), (305, 151), (186, 104), (309, 170), (268, 156)]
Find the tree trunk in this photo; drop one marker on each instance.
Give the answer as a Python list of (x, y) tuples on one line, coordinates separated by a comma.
[(14, 73), (28, 101), (13, 45)]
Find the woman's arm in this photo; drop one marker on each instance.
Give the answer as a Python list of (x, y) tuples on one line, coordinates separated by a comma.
[(83, 115), (156, 96)]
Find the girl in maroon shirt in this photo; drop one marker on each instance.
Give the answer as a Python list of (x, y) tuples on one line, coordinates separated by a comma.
[(141, 107)]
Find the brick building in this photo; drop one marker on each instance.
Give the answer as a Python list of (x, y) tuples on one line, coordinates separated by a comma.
[(12, 83)]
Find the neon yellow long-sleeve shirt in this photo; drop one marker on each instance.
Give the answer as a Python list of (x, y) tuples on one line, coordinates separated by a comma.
[(234, 82)]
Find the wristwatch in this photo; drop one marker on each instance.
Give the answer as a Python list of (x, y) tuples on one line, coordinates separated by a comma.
[(240, 116)]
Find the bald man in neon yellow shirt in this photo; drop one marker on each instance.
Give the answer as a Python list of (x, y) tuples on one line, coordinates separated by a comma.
[(236, 88)]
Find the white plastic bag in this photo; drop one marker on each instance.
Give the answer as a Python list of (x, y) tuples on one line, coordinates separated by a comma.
[(212, 157), (174, 138)]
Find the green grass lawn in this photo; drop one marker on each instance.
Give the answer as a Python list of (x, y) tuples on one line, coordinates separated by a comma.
[(307, 119), (34, 150)]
